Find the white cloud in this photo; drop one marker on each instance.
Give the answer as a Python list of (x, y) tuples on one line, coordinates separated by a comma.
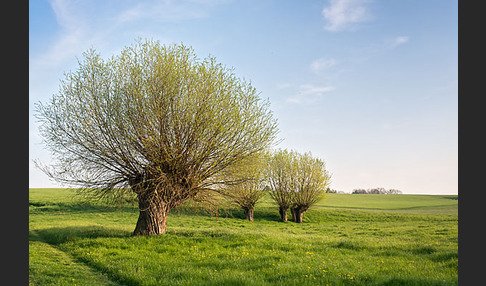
[(323, 64), (71, 35), (169, 11), (342, 14), (162, 11), (398, 41), (309, 89), (64, 16), (367, 52)]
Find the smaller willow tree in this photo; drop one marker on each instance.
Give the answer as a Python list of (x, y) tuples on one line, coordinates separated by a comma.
[(248, 183), (278, 174), (297, 181), (155, 121), (308, 184)]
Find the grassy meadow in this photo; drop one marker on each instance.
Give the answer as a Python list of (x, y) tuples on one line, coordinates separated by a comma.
[(345, 240)]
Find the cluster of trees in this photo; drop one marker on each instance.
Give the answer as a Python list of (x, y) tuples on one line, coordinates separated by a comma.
[(297, 181), (166, 127), (293, 180), (377, 191)]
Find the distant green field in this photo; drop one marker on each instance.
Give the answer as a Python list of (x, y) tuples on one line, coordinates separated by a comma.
[(345, 240), (423, 203)]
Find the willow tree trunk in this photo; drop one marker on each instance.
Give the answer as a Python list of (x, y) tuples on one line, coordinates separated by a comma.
[(283, 214), (248, 213), (152, 219), (297, 214)]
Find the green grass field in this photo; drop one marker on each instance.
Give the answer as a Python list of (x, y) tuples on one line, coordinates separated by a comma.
[(345, 240)]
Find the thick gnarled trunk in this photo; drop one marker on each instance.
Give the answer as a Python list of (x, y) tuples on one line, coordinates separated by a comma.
[(152, 219), (283, 214), (248, 213), (297, 214)]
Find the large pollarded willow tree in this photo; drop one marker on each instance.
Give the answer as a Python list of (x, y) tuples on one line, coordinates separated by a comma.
[(154, 120)]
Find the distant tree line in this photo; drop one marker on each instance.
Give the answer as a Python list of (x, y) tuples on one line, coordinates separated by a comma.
[(377, 191)]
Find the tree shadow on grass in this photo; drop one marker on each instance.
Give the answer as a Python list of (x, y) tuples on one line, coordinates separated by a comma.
[(59, 235), (75, 207), (260, 214)]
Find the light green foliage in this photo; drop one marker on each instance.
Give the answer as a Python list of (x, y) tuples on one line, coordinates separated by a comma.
[(297, 181), (247, 181), (336, 245), (279, 176), (309, 180)]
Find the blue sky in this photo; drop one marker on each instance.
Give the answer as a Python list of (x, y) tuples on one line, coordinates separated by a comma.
[(369, 86)]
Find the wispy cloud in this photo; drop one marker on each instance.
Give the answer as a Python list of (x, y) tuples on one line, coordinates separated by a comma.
[(309, 89), (323, 64), (397, 41), (365, 53), (344, 14), (103, 24), (72, 32), (168, 11)]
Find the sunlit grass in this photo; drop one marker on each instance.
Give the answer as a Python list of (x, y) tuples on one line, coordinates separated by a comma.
[(333, 246)]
